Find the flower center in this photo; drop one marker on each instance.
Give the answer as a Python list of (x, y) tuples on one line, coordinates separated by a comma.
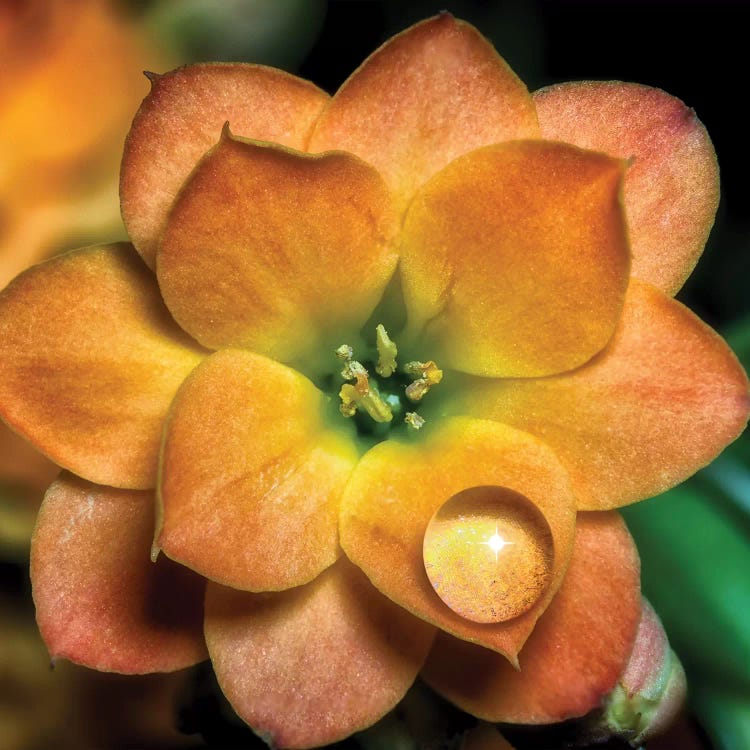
[(376, 396), (488, 552)]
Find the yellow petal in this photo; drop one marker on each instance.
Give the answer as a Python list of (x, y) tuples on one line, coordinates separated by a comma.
[(660, 402), (396, 489), (277, 251), (515, 259), (428, 95), (250, 478), (311, 665), (672, 184), (99, 599), (89, 362), (182, 118)]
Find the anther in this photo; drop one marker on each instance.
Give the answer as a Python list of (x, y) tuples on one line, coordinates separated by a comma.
[(425, 374), (413, 420), (387, 352)]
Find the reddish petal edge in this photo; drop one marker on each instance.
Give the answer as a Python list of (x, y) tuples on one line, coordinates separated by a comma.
[(578, 650), (311, 665), (100, 601), (181, 119), (672, 185)]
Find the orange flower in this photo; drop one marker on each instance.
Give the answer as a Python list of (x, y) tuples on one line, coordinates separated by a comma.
[(454, 470), (60, 146)]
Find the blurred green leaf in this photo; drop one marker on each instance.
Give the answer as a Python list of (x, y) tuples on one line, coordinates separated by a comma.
[(279, 33), (726, 717), (695, 550)]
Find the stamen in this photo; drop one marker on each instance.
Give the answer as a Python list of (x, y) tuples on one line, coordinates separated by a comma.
[(426, 375), (413, 420), (362, 394), (345, 352), (387, 352)]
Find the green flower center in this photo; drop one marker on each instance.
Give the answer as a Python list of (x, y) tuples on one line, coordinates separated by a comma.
[(378, 394)]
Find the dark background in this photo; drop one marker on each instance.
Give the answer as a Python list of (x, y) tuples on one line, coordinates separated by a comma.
[(696, 51)]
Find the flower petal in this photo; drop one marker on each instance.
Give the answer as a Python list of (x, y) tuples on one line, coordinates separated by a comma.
[(515, 259), (660, 402), (672, 184), (99, 600), (577, 651), (269, 249), (182, 118), (250, 477), (309, 666), (89, 362), (397, 487), (428, 95)]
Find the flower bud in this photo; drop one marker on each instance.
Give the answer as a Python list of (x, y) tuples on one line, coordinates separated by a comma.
[(652, 688)]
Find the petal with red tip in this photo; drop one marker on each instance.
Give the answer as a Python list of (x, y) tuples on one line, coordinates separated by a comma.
[(89, 362), (672, 184), (660, 402), (397, 487), (428, 95), (309, 666), (515, 259), (182, 118), (274, 251), (578, 650), (250, 476), (100, 601)]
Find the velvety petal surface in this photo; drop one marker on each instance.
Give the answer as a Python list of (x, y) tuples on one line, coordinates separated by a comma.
[(579, 647), (660, 402), (397, 487), (250, 476), (89, 362), (672, 183), (99, 599), (182, 118), (515, 259), (428, 95), (277, 251), (311, 665)]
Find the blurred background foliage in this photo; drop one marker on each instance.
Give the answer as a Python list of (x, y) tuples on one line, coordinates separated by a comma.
[(70, 82)]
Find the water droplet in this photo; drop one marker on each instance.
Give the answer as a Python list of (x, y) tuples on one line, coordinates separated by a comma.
[(489, 553)]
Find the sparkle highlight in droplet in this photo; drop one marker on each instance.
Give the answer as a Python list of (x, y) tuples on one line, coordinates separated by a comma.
[(488, 553)]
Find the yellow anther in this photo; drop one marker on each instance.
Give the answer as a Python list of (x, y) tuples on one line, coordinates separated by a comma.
[(387, 352), (426, 375), (427, 370), (362, 394), (348, 395), (345, 352), (414, 421), (355, 371)]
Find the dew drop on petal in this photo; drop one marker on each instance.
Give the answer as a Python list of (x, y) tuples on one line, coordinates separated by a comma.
[(489, 553)]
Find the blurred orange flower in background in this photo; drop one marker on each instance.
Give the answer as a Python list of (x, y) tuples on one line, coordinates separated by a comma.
[(70, 82), (538, 241)]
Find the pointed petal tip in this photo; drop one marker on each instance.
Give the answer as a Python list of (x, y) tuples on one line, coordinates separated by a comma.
[(563, 674), (305, 687), (375, 531)]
